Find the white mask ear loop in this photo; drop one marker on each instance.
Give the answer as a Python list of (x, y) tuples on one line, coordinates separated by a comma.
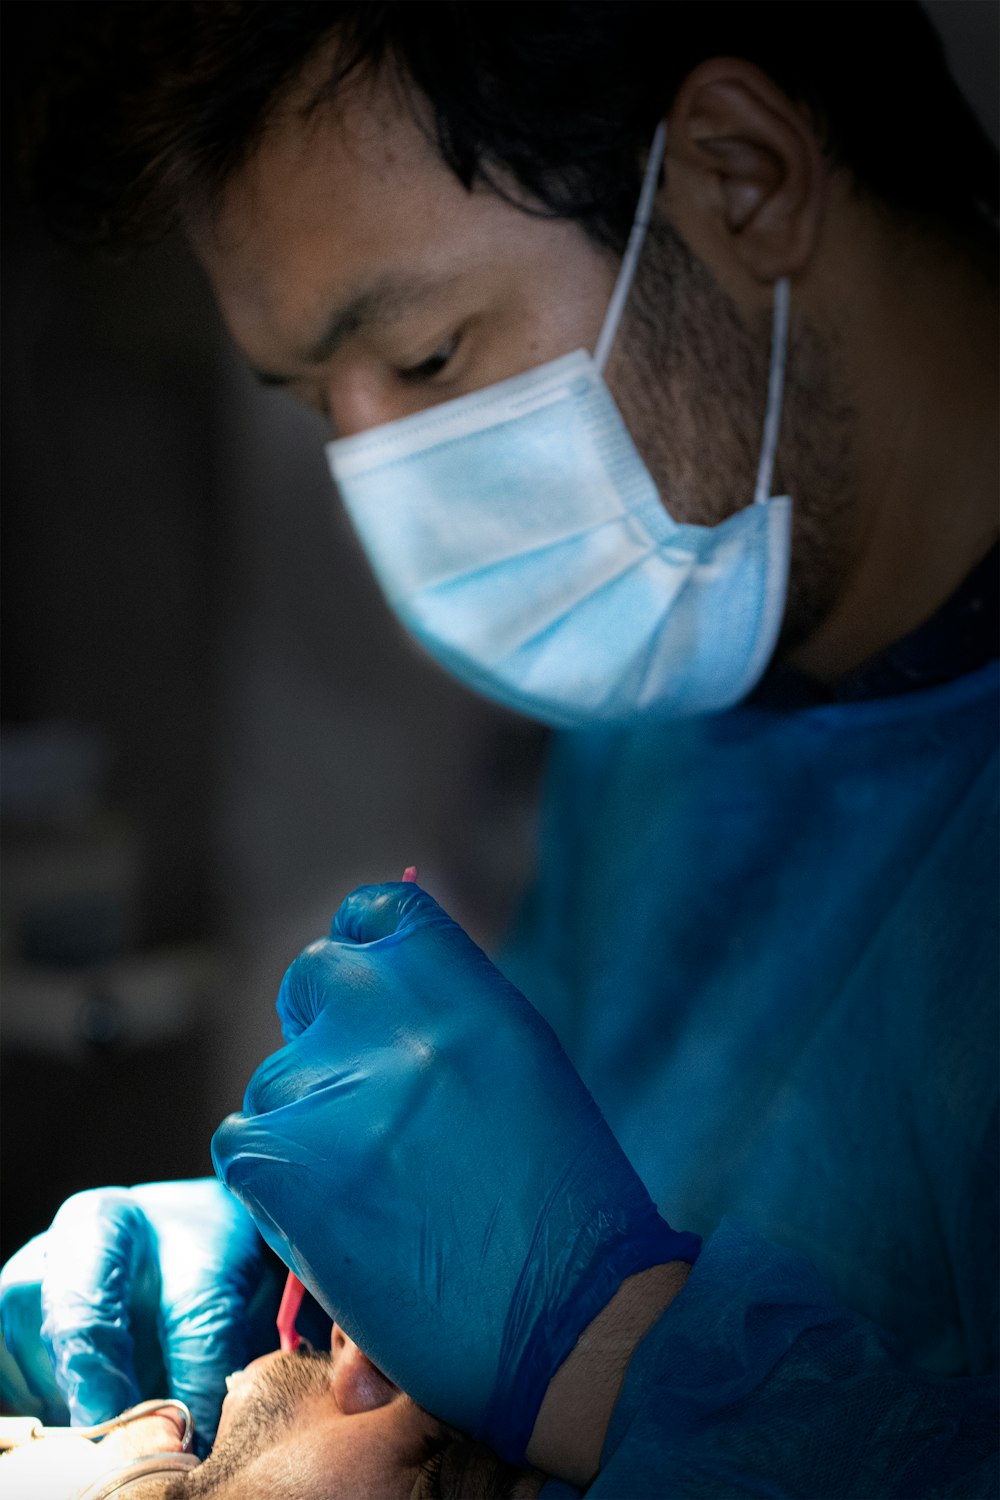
[(775, 391), (650, 182), (779, 324)]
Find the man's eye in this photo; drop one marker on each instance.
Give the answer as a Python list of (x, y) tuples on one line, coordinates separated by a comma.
[(428, 368)]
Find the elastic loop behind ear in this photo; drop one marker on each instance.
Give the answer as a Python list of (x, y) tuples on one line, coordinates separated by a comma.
[(775, 390), (640, 224)]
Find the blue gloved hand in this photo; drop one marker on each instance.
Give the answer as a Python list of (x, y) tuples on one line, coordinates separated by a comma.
[(426, 1159), (155, 1290)]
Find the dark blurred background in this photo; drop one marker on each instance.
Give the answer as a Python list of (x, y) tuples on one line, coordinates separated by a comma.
[(211, 728)]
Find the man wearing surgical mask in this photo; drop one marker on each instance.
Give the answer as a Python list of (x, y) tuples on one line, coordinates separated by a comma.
[(699, 466)]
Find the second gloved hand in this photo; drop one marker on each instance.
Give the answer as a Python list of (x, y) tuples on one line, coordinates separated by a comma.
[(133, 1292), (424, 1156)]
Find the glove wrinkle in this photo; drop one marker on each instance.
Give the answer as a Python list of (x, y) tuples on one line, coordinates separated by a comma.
[(426, 1159)]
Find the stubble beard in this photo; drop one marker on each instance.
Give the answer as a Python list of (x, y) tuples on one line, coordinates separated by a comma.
[(269, 1411), (691, 379)]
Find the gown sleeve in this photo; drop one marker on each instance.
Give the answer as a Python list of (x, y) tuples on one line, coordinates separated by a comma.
[(755, 1381)]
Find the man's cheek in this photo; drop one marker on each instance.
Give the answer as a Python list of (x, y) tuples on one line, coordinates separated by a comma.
[(380, 1454)]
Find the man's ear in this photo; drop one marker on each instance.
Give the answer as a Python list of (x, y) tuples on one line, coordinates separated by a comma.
[(746, 180)]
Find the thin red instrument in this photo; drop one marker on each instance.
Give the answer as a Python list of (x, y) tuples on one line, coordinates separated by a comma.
[(291, 1298)]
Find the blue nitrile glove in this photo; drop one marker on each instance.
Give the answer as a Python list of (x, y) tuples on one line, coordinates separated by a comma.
[(424, 1156), (155, 1290)]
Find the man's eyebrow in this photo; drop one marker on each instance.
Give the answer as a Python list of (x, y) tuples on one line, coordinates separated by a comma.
[(378, 304)]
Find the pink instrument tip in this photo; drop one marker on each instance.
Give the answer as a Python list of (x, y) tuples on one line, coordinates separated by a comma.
[(410, 873), (291, 1301)]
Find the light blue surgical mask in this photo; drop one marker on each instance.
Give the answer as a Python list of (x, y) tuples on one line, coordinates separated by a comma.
[(520, 538)]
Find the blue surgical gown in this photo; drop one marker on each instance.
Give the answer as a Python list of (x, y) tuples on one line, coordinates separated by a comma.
[(782, 1391), (768, 941)]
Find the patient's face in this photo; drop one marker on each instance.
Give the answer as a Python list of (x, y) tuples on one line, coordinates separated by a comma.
[(308, 1423), (313, 1426)]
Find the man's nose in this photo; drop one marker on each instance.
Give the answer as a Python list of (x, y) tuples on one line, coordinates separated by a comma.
[(357, 1384)]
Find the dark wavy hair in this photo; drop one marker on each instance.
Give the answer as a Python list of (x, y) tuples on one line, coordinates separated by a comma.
[(140, 110)]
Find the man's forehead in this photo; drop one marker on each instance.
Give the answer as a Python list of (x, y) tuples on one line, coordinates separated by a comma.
[(349, 214), (316, 154)]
